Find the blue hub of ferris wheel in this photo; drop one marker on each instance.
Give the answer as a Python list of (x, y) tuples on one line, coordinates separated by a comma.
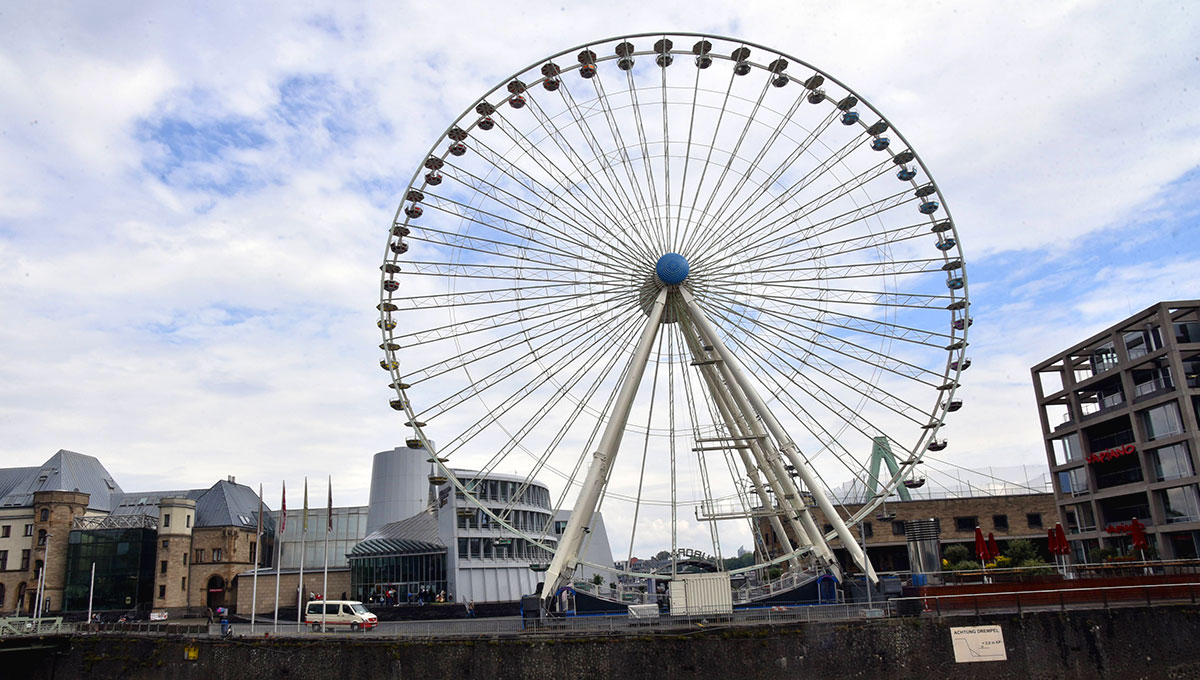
[(672, 269)]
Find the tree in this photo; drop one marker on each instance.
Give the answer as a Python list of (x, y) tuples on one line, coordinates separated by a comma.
[(662, 555), (956, 553), (1022, 550), (597, 579)]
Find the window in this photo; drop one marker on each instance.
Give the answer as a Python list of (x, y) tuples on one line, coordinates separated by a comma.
[(185, 559), (1171, 462), (162, 592), (1187, 331), (166, 544), (253, 552), (1073, 481), (1161, 421), (28, 529), (44, 515), (25, 560), (828, 528), (1180, 504), (216, 555), (183, 583), (5, 531), (868, 530), (966, 523), (1034, 520), (37, 569), (1000, 522), (1140, 343), (560, 526), (199, 555), (1080, 517), (3, 564), (187, 521), (1066, 449), (898, 528), (42, 537), (166, 520), (162, 567)]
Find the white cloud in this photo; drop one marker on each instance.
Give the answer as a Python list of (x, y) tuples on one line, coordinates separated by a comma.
[(182, 333)]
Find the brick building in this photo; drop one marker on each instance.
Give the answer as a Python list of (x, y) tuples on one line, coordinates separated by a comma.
[(1008, 516)]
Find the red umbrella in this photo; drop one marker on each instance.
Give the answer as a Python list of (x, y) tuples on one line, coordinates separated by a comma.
[(1063, 547), (981, 546), (992, 547), (1139, 535)]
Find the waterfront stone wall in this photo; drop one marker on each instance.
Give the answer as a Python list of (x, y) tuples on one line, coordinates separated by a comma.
[(1148, 642)]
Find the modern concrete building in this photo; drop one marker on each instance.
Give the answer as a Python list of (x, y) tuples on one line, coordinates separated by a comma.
[(1120, 414), (451, 546)]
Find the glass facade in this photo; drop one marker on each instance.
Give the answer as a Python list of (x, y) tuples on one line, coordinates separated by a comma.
[(373, 576), (125, 562), (1066, 449), (1172, 462), (1162, 421), (349, 527), (1074, 481), (1180, 504)]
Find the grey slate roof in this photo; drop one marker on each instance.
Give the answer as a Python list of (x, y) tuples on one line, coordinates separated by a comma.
[(415, 535), (64, 471), (221, 505)]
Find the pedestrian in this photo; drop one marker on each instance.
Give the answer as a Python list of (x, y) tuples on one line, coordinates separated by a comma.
[(209, 611), (470, 609)]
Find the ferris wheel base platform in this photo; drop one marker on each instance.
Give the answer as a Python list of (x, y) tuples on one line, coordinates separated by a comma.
[(819, 589)]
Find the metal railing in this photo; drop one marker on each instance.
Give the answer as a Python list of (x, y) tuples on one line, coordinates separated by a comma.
[(1019, 601), (28, 625)]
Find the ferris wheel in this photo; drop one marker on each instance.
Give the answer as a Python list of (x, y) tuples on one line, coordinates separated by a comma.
[(684, 279)]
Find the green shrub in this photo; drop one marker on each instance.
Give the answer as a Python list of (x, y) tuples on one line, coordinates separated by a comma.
[(956, 553)]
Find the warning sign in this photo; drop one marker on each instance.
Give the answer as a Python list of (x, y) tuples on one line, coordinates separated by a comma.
[(978, 643)]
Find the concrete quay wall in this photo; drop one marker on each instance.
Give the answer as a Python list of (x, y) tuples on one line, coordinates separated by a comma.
[(1150, 642)]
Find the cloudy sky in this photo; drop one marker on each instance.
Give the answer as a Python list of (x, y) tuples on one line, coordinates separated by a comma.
[(194, 200)]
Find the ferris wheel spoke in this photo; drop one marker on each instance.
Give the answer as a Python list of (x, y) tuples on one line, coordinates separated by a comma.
[(888, 269), (814, 362), (568, 191), (561, 201), (516, 438), (534, 273), (521, 252), (660, 231), (712, 146), (842, 346), (733, 155), (517, 395), (579, 164), (519, 338), (618, 195), (551, 311), (851, 296), (718, 218), (788, 233), (819, 395), (622, 150), (525, 232), (879, 242), (521, 392), (750, 205), (493, 296), (751, 228)]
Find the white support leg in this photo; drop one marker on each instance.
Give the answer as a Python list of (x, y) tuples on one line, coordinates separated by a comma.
[(786, 445), (566, 555)]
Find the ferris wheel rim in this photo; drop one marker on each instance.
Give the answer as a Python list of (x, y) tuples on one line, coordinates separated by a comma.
[(951, 376)]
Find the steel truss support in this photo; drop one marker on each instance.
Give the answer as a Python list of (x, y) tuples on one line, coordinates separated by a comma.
[(733, 369)]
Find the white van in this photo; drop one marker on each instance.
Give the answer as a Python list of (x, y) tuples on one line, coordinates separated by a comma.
[(339, 613)]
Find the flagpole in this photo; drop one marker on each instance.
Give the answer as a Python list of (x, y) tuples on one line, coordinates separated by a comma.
[(300, 583), (257, 559), (325, 577), (279, 552)]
